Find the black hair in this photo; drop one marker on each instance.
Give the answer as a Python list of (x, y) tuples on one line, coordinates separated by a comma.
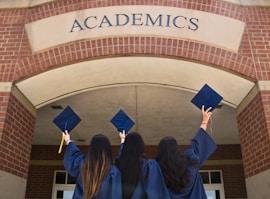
[(131, 162), (173, 164)]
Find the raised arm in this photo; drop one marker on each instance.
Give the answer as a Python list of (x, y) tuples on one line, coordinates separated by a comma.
[(202, 145), (73, 157), (122, 136)]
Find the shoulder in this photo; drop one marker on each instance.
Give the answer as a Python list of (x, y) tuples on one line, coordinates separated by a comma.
[(113, 175), (114, 171), (151, 164)]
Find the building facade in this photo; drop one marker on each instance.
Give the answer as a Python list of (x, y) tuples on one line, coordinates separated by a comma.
[(41, 43)]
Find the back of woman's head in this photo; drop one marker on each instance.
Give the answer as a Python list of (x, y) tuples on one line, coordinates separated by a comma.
[(96, 165), (100, 146), (173, 165), (134, 145), (130, 163)]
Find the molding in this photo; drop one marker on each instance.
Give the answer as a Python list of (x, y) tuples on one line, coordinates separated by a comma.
[(250, 96), (8, 4), (223, 162), (32, 3), (259, 86), (250, 2), (46, 162), (10, 88), (5, 86)]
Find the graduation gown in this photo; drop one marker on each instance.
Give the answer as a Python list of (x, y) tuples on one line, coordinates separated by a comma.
[(200, 149), (111, 186), (154, 184)]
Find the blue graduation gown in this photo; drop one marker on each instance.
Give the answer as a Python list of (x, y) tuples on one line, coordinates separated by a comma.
[(154, 183), (111, 186), (201, 147)]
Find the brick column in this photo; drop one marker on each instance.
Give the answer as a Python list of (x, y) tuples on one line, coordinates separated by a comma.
[(254, 123), (17, 118)]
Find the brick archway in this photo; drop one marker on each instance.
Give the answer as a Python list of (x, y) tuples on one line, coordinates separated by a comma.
[(250, 62)]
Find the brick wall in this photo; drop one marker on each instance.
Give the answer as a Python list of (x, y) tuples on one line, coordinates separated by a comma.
[(20, 63), (254, 126), (255, 43), (11, 46), (40, 180), (16, 132)]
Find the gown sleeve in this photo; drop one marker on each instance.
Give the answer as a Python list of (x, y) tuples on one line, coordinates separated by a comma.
[(73, 158), (120, 151), (155, 184), (201, 148)]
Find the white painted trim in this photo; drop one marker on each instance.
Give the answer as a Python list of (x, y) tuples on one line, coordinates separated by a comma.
[(5, 86), (32, 3), (22, 3), (59, 83), (8, 87), (250, 2), (259, 86)]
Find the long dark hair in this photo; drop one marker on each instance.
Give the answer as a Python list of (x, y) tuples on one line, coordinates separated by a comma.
[(173, 165), (130, 163), (96, 165)]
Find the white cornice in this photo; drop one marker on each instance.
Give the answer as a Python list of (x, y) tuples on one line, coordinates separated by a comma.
[(22, 3), (250, 2), (7, 4), (9, 87)]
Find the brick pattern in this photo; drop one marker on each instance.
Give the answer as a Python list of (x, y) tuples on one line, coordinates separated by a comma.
[(40, 181), (61, 7), (254, 123), (16, 132), (233, 179), (254, 50), (17, 63), (135, 46), (256, 41), (11, 34)]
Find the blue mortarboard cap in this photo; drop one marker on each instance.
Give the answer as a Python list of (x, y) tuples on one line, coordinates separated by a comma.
[(122, 122), (67, 119), (207, 97)]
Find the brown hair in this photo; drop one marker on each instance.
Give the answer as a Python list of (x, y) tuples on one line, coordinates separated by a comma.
[(96, 165)]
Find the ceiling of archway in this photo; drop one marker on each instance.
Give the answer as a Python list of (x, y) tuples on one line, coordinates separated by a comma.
[(154, 92)]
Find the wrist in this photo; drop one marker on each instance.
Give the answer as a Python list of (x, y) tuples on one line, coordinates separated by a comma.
[(68, 141), (204, 122), (122, 140)]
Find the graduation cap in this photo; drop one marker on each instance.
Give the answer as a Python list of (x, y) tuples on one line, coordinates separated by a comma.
[(66, 120), (122, 122), (207, 97)]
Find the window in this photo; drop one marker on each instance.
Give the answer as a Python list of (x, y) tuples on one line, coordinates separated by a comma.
[(63, 185), (62, 177), (213, 184)]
